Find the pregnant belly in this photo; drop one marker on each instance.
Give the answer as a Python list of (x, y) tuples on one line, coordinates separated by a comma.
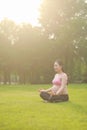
[(55, 88)]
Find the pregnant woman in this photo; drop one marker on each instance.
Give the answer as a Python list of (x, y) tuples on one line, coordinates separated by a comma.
[(58, 92)]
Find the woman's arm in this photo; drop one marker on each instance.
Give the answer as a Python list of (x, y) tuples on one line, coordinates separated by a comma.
[(47, 90)]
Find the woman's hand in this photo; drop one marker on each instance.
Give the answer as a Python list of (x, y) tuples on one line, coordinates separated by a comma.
[(52, 93), (57, 93), (42, 90)]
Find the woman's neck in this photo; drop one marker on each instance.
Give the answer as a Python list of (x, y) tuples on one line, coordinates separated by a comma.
[(60, 72)]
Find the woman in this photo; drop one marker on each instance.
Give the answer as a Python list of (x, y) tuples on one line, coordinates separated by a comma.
[(58, 92)]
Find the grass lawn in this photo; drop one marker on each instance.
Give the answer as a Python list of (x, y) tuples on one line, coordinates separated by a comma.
[(21, 108)]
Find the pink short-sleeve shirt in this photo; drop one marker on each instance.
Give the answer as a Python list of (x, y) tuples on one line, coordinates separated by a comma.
[(57, 82)]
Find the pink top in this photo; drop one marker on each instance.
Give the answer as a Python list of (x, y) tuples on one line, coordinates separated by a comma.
[(60, 80), (57, 80)]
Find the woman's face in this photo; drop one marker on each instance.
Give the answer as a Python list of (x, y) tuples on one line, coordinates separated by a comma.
[(57, 67)]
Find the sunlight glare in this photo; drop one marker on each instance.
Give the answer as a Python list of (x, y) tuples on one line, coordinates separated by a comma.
[(20, 10)]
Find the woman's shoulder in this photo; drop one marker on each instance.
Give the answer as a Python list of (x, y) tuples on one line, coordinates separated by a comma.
[(64, 75)]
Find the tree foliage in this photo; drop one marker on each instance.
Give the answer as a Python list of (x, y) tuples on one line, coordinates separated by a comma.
[(27, 53)]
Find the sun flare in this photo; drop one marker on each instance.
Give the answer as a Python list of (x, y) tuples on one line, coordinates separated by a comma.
[(20, 10)]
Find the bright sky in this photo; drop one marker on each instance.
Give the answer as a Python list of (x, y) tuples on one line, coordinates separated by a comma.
[(20, 10)]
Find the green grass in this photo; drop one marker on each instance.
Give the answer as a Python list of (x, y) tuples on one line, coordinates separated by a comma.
[(21, 108)]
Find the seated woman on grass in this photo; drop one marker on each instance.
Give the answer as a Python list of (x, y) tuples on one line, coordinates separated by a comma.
[(58, 92)]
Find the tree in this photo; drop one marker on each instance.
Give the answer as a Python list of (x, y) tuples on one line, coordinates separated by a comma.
[(7, 36), (66, 22)]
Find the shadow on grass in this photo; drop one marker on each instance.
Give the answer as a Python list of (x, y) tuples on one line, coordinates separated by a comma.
[(77, 107), (70, 104)]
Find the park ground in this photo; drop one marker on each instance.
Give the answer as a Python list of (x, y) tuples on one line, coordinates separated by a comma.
[(21, 108)]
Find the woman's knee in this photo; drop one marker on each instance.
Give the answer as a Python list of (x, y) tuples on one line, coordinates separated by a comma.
[(44, 95)]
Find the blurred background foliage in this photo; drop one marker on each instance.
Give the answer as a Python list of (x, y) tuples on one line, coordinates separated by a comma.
[(27, 53)]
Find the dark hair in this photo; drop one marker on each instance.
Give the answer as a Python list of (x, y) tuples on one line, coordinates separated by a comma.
[(60, 63)]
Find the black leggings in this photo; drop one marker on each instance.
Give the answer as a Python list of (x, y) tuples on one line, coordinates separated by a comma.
[(54, 98)]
